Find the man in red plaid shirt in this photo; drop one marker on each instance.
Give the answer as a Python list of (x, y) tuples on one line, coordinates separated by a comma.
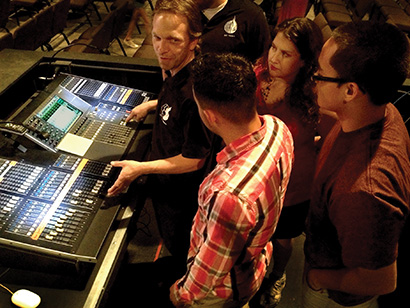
[(241, 199)]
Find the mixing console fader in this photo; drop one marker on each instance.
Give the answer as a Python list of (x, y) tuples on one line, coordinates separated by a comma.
[(94, 168), (105, 92), (102, 131), (18, 177), (50, 207)]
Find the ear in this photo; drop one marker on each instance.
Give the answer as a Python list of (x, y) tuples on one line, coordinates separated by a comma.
[(352, 91), (301, 64), (211, 116), (193, 44)]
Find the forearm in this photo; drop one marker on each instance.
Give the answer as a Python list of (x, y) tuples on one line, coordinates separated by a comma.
[(209, 267), (151, 105), (172, 165), (357, 281), (197, 283), (140, 112), (133, 169)]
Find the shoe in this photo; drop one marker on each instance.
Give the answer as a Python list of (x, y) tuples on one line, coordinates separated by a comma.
[(272, 294), (131, 44)]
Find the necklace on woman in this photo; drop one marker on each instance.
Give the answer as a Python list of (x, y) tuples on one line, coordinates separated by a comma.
[(273, 90), (266, 90)]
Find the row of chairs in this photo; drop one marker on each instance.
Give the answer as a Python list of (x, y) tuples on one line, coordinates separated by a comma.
[(81, 6), (395, 12), (13, 8), (335, 12), (338, 12), (323, 24), (97, 39), (39, 29), (4, 13)]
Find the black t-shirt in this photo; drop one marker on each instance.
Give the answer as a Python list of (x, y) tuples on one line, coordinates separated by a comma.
[(240, 27), (178, 129)]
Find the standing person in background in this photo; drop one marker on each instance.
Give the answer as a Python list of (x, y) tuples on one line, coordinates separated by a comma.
[(237, 26), (285, 89), (361, 190), (138, 12), (240, 200), (180, 142)]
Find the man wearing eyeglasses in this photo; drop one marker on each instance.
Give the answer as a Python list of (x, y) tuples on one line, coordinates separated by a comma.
[(361, 191)]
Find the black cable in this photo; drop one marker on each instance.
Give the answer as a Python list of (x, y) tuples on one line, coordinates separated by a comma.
[(1, 285), (5, 272), (404, 94), (106, 52), (145, 225), (394, 103)]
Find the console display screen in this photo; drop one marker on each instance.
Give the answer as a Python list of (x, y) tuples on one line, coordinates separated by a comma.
[(60, 114)]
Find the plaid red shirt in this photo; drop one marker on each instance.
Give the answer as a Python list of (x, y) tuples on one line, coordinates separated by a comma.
[(239, 206)]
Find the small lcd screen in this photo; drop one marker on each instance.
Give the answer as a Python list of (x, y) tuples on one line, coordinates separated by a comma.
[(60, 114)]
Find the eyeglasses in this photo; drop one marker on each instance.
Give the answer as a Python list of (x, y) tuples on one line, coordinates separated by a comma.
[(319, 77), (328, 79)]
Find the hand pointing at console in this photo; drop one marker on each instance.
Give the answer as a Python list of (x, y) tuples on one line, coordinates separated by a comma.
[(141, 111), (130, 171)]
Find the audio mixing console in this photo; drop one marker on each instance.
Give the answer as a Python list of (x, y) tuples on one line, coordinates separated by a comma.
[(60, 235), (50, 207), (85, 117), (54, 216)]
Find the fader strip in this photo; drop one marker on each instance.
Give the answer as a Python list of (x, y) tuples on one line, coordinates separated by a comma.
[(92, 167), (58, 200), (18, 177), (105, 91)]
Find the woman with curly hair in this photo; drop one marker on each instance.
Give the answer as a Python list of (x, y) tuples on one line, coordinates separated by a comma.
[(285, 89)]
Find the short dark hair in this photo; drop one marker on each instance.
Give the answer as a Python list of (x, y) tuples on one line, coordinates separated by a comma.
[(225, 83), (187, 8), (373, 55)]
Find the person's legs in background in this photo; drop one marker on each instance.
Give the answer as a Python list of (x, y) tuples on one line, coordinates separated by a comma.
[(139, 11), (291, 225)]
